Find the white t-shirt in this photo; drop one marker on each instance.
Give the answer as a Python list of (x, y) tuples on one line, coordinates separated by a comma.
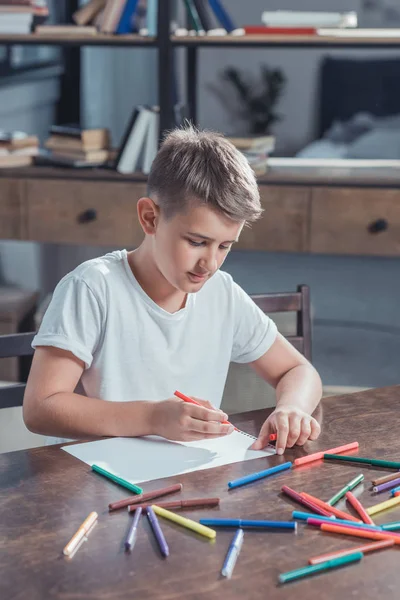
[(135, 350)]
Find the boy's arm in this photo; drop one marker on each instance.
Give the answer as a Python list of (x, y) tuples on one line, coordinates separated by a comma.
[(51, 407), (298, 391)]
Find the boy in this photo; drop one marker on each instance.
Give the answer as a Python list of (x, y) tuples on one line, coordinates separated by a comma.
[(125, 330)]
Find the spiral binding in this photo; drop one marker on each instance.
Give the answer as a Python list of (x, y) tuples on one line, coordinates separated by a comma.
[(248, 434)]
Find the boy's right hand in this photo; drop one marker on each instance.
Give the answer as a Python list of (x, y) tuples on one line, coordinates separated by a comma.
[(180, 421)]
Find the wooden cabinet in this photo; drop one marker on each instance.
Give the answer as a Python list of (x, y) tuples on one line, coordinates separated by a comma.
[(11, 218), (355, 221), (284, 224), (83, 212)]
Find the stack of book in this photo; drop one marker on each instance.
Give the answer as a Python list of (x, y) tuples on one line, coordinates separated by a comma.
[(72, 146), (140, 141), (112, 16), (256, 149), (294, 22), (19, 16), (17, 149)]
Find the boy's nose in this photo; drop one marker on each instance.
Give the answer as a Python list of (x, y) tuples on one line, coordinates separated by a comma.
[(209, 262)]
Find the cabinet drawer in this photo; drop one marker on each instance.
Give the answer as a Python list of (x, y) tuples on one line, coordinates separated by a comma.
[(83, 212), (11, 220), (355, 221), (283, 226)]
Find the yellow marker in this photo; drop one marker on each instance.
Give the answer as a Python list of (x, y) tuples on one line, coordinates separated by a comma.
[(197, 527), (80, 534), (383, 506)]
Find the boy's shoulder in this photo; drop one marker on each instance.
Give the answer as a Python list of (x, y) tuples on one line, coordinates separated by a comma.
[(97, 272)]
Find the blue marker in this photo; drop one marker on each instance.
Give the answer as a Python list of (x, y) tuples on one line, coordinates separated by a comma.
[(232, 554), (298, 514), (254, 476), (253, 524), (394, 490)]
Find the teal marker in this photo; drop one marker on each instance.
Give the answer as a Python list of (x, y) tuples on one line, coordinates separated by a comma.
[(118, 480), (341, 561)]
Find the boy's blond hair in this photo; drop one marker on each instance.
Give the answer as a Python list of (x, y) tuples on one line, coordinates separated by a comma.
[(203, 166)]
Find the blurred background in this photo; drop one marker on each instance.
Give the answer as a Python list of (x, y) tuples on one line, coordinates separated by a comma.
[(311, 95)]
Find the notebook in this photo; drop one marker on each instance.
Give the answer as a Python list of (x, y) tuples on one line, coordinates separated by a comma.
[(146, 458)]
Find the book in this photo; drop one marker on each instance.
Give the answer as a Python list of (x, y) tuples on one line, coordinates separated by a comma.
[(265, 143), (161, 458), (360, 33), (11, 142), (20, 23), (293, 18), (194, 16), (204, 16), (112, 15), (65, 30), (98, 156), (127, 160), (86, 14), (151, 144), (15, 160), (222, 15), (63, 161), (91, 139), (152, 18), (265, 30), (125, 24)]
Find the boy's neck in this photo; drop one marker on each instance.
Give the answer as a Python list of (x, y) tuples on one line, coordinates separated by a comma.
[(153, 282)]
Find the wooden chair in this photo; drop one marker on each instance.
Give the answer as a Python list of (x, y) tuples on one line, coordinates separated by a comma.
[(244, 390), (15, 345)]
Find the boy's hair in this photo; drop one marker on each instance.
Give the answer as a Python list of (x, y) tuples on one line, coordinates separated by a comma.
[(203, 166)]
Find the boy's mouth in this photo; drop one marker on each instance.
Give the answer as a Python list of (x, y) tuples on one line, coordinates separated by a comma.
[(197, 277)]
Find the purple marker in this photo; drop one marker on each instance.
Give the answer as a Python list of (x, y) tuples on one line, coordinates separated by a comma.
[(132, 534), (158, 534), (386, 486)]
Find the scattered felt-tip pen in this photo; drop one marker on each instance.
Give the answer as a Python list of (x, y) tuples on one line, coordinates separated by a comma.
[(259, 475), (232, 554)]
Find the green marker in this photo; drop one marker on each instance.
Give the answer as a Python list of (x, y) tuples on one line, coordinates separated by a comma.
[(312, 569), (347, 488), (367, 461), (395, 526), (118, 480)]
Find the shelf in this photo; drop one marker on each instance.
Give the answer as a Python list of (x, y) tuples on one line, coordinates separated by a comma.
[(377, 177), (289, 41), (100, 39), (229, 41)]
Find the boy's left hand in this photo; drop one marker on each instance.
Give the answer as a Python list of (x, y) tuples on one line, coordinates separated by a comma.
[(292, 426)]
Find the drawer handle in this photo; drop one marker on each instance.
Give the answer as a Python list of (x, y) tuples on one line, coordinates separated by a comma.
[(87, 216), (378, 226)]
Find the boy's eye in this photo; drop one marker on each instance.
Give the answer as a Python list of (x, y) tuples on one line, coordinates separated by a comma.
[(197, 244)]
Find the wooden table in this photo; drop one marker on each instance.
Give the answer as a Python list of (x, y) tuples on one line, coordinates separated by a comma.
[(46, 494)]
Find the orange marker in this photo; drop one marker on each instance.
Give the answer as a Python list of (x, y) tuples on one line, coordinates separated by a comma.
[(358, 532), (340, 514), (191, 401), (303, 460), (273, 437), (371, 547), (80, 534), (358, 507)]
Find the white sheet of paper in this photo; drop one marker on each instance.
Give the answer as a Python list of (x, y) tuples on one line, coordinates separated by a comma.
[(142, 459)]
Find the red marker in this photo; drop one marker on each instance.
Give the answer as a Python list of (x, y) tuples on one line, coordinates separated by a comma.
[(191, 401), (273, 437)]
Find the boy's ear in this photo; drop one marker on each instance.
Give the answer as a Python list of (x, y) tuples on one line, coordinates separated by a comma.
[(148, 214)]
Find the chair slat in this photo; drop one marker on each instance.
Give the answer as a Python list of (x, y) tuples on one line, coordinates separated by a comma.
[(12, 395), (18, 344), (272, 303)]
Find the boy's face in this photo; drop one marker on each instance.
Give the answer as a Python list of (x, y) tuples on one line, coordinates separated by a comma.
[(191, 247)]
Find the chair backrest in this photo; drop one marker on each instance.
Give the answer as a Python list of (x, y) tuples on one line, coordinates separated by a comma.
[(298, 302), (15, 345)]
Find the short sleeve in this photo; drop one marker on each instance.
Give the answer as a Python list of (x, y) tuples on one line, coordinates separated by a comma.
[(254, 332), (73, 320)]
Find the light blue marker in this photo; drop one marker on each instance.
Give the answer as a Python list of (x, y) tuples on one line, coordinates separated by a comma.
[(233, 553), (394, 490), (298, 514), (395, 526), (260, 475), (252, 524)]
